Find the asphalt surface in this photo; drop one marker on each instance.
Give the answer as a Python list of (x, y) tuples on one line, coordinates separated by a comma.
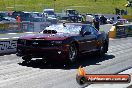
[(37, 74)]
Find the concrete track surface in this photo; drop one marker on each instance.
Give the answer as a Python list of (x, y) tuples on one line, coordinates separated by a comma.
[(37, 74)]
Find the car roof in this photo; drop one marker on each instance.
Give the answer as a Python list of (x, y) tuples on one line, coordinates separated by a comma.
[(48, 9), (70, 24), (70, 9)]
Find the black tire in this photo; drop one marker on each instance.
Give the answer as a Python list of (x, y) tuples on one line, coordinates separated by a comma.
[(101, 51), (26, 59), (72, 56), (106, 47)]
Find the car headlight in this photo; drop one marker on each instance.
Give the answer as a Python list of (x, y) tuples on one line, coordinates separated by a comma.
[(21, 41)]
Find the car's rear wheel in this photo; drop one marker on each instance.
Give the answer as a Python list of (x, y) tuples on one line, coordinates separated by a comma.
[(106, 47), (101, 51), (72, 55)]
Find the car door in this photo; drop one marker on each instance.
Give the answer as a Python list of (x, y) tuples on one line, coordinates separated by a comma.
[(90, 39), (84, 40), (94, 34), (87, 40)]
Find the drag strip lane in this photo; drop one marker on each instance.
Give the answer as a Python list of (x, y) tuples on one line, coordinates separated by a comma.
[(37, 75)]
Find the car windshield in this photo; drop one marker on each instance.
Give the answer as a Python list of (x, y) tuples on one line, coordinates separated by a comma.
[(49, 12), (34, 15), (39, 20), (72, 29), (71, 12), (3, 14), (51, 16)]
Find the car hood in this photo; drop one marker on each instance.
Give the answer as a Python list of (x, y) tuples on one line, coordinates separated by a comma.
[(40, 36)]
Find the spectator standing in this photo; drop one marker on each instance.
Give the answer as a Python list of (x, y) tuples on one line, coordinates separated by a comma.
[(96, 22), (113, 18), (103, 19), (118, 17), (18, 20), (83, 18)]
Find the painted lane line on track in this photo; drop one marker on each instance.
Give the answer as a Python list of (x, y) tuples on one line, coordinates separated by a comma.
[(54, 80), (4, 38), (119, 48), (29, 32), (11, 33), (28, 75)]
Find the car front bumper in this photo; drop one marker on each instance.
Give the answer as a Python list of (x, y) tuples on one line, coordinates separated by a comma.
[(55, 52)]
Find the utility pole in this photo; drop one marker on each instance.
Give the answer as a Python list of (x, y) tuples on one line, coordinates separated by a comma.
[(4, 5), (54, 4), (14, 5)]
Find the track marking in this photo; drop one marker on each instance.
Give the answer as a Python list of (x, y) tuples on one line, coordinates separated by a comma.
[(12, 33)]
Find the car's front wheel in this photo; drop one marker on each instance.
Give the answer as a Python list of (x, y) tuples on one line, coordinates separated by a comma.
[(26, 59), (100, 52), (103, 49), (72, 55)]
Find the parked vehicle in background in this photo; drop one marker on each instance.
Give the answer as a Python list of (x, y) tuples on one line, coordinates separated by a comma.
[(4, 17), (39, 19), (9, 19), (37, 14), (16, 13), (50, 15), (3, 14), (25, 16), (49, 12), (52, 19), (39, 24), (71, 15)]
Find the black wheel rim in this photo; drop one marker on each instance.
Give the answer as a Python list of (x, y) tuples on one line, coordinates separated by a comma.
[(72, 53)]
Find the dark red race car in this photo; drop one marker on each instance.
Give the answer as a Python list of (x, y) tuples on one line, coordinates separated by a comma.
[(63, 42)]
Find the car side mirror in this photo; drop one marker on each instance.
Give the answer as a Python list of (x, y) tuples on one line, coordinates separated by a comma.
[(86, 33)]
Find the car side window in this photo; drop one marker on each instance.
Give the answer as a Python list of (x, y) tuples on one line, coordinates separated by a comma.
[(93, 30), (86, 28)]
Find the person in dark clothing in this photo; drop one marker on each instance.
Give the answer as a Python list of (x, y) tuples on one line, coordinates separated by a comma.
[(113, 18), (103, 19), (96, 22), (118, 17)]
